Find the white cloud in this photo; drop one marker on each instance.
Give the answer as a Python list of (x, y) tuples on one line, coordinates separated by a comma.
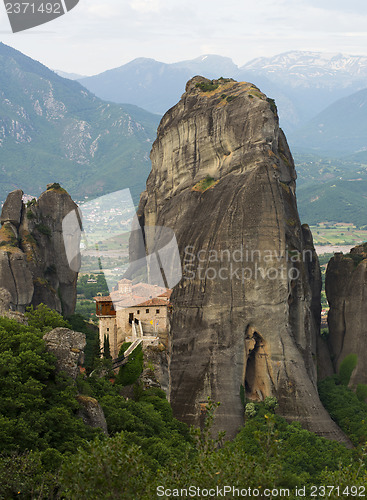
[(103, 11), (98, 35), (145, 6)]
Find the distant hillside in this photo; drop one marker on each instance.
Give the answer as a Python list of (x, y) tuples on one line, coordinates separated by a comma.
[(53, 129), (331, 189), (340, 129), (336, 201), (313, 168)]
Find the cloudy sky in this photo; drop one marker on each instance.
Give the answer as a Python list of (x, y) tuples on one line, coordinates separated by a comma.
[(102, 34)]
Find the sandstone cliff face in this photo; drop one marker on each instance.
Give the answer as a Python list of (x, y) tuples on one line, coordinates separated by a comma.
[(223, 179), (346, 289), (33, 264)]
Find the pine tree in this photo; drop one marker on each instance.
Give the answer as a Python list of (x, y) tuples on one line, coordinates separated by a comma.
[(106, 348)]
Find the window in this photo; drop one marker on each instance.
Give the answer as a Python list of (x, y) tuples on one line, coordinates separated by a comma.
[(138, 312), (147, 311), (157, 311)]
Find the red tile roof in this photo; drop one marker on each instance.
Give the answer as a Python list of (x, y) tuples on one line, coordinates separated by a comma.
[(154, 302), (143, 295), (103, 299)]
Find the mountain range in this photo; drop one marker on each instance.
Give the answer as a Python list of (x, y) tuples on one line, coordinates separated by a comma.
[(53, 129), (302, 83)]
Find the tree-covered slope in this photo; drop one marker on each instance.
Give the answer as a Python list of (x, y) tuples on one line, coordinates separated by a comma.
[(336, 201), (331, 189), (53, 129)]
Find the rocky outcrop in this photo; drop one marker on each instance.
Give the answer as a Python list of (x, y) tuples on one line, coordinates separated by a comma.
[(346, 290), (68, 347), (33, 263), (91, 412), (12, 209), (246, 312), (5, 309)]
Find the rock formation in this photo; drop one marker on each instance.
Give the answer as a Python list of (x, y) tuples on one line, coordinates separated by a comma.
[(68, 347), (33, 264), (246, 313), (5, 308), (346, 290), (91, 412)]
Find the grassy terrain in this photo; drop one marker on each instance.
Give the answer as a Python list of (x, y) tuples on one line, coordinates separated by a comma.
[(338, 234)]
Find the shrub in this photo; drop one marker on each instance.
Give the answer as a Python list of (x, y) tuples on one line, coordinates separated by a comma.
[(271, 403), (204, 184), (43, 229), (273, 106), (345, 408), (361, 392), (324, 333), (130, 372), (207, 86), (356, 257), (113, 468), (250, 410), (55, 187), (346, 368), (23, 475)]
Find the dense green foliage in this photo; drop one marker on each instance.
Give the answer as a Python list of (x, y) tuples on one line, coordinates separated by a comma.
[(267, 453), (46, 451), (88, 287), (87, 309), (345, 408), (91, 289), (130, 372), (37, 406), (39, 422), (346, 368), (361, 392), (91, 331)]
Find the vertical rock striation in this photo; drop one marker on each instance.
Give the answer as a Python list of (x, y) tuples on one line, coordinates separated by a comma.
[(246, 312), (33, 264), (346, 289)]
